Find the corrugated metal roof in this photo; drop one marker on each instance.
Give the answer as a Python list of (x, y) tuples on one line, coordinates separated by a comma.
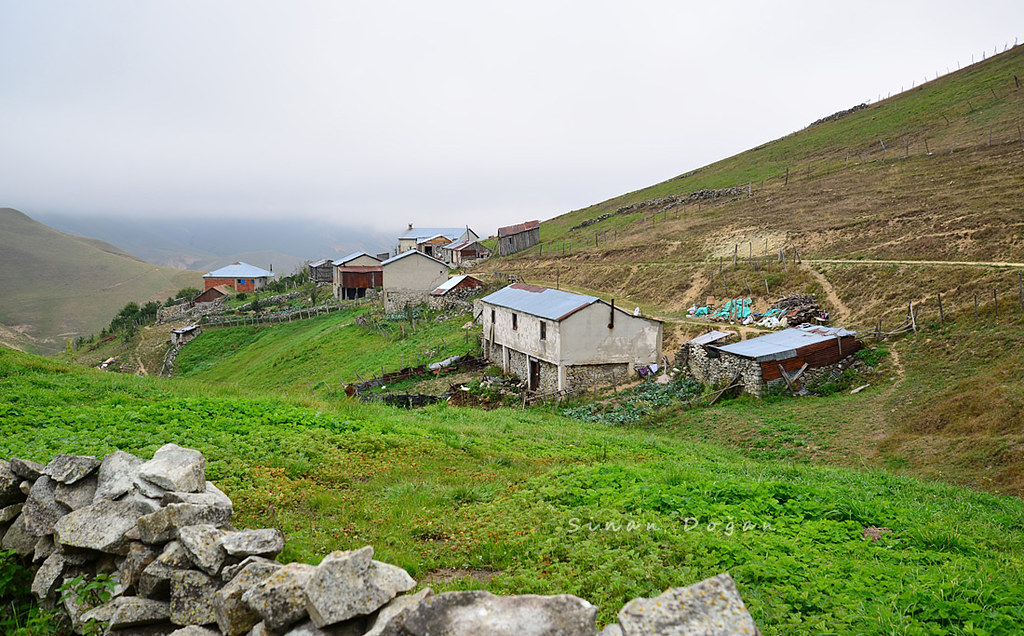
[(409, 253), (783, 344), (239, 270), (709, 337), (319, 263), (352, 257), (542, 302), (517, 228), (451, 284), (430, 232)]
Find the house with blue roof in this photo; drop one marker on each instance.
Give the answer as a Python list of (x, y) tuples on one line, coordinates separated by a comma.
[(431, 240), (242, 277), (559, 341)]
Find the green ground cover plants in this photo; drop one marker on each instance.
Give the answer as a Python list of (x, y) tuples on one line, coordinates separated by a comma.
[(530, 501)]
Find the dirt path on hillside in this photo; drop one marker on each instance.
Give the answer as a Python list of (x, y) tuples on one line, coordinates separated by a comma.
[(884, 262), (842, 312)]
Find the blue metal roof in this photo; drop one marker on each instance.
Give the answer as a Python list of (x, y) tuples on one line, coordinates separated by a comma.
[(239, 270), (542, 302), (783, 344)]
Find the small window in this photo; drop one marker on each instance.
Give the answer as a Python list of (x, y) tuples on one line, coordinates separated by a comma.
[(515, 321), (543, 330), (241, 281), (492, 316)]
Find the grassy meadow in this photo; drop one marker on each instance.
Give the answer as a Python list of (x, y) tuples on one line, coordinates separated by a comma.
[(530, 501)]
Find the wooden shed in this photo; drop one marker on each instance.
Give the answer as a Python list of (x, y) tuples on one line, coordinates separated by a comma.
[(513, 238), (321, 272)]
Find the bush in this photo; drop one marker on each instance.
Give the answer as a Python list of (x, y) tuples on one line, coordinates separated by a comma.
[(20, 615)]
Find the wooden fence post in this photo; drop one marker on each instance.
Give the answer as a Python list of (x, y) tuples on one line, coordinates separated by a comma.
[(942, 319), (975, 305), (995, 298)]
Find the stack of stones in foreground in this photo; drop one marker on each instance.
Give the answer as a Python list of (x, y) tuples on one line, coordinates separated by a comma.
[(162, 534)]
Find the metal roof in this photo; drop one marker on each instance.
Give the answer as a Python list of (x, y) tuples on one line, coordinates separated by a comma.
[(517, 228), (709, 337), (430, 232), (408, 252), (542, 302), (783, 344), (352, 257), (321, 262), (239, 270), (451, 284)]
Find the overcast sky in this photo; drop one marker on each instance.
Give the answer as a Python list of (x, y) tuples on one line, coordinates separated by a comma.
[(438, 113)]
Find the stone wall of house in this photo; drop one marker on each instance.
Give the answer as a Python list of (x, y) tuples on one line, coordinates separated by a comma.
[(718, 370), (398, 299), (583, 377), (164, 536), (455, 299)]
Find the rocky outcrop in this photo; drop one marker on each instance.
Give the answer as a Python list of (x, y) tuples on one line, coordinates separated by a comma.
[(177, 566)]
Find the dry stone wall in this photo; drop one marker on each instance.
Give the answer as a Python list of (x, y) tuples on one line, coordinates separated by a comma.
[(163, 534)]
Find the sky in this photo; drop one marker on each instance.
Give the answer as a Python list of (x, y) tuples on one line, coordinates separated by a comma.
[(442, 113)]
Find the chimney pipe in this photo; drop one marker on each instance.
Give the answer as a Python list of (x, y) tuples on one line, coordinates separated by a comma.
[(410, 227), (611, 317)]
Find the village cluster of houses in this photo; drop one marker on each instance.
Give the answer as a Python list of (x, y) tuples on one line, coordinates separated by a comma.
[(552, 339)]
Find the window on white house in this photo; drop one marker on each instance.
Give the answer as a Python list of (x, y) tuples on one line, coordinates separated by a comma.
[(515, 322), (543, 330)]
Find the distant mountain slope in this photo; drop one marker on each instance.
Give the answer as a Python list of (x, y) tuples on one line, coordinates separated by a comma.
[(209, 243), (55, 286)]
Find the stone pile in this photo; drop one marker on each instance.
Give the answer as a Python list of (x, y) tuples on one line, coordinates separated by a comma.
[(162, 533)]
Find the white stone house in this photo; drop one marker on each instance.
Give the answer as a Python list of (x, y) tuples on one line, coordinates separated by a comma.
[(410, 277), (557, 340)]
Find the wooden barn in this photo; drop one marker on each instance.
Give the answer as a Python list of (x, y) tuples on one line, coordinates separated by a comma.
[(321, 272), (463, 251), (213, 293), (760, 362), (514, 238), (354, 274)]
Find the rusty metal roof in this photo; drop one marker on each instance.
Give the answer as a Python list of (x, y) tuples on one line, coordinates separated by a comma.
[(452, 283), (781, 345), (517, 228)]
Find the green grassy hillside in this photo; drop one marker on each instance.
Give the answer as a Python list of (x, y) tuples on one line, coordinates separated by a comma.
[(931, 176), (320, 354), (528, 501), (55, 286)]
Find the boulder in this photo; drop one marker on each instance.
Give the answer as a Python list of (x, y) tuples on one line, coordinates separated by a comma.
[(192, 630), (162, 526), (192, 594), (234, 616), (116, 475), (26, 468), (279, 598), (711, 607), (49, 576), (10, 512), (350, 583), (18, 539), (202, 543), (351, 627), (211, 496), (67, 469), (484, 613), (147, 505), (139, 556), (99, 526), (267, 543), (44, 548), (388, 621), (133, 611), (9, 485), (77, 495), (174, 468), (42, 510), (155, 580), (148, 489), (611, 630), (25, 487), (229, 572)]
